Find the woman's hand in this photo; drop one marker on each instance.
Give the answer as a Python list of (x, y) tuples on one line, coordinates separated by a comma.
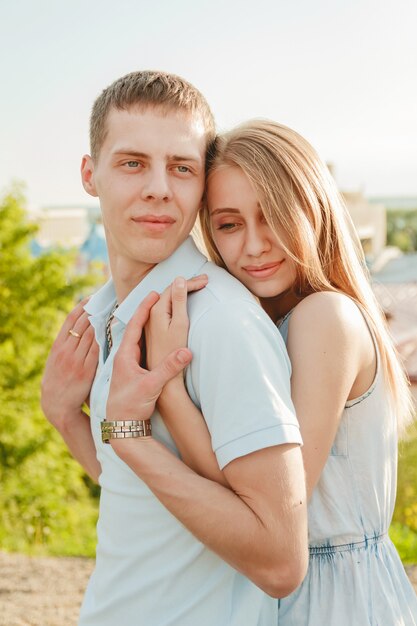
[(70, 368), (167, 328)]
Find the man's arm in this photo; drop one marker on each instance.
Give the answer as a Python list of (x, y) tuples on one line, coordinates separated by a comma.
[(66, 384), (259, 525)]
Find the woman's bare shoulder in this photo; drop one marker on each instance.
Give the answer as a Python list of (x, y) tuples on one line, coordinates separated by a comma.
[(329, 313)]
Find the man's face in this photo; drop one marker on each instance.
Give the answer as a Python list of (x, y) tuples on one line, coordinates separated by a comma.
[(149, 177)]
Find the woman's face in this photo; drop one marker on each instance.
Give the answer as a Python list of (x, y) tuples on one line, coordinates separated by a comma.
[(249, 248)]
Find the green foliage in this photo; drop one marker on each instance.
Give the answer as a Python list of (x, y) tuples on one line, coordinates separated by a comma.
[(403, 530), (402, 229), (45, 502), (405, 541)]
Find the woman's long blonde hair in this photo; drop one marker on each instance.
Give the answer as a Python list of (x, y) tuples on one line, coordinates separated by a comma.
[(298, 197)]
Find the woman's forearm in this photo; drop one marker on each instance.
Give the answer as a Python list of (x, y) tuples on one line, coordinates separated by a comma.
[(75, 430), (189, 431)]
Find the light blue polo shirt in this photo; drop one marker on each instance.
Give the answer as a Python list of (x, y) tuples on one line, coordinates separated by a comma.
[(150, 570)]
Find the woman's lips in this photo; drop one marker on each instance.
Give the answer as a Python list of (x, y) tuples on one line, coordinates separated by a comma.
[(263, 271)]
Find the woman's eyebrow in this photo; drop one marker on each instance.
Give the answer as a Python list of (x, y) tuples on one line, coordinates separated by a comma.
[(224, 210)]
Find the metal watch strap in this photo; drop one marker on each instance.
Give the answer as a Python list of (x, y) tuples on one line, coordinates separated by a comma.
[(125, 429)]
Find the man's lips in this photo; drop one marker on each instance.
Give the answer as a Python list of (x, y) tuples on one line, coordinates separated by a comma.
[(154, 219), (263, 271), (156, 223)]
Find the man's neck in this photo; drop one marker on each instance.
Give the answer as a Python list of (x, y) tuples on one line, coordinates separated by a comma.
[(126, 276)]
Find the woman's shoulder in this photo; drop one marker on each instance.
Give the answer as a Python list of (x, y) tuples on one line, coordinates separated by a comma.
[(328, 332), (329, 313)]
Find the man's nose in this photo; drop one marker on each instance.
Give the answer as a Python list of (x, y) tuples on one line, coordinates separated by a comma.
[(156, 185)]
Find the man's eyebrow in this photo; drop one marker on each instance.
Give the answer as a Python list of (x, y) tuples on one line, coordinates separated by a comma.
[(185, 157), (143, 155), (225, 210), (130, 152)]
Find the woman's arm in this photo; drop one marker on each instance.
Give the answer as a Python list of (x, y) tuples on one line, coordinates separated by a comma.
[(166, 331), (189, 431), (66, 384), (333, 359)]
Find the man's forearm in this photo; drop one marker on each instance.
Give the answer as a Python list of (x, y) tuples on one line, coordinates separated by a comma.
[(75, 430), (259, 547)]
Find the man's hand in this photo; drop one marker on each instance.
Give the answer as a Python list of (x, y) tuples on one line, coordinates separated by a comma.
[(70, 369), (133, 389)]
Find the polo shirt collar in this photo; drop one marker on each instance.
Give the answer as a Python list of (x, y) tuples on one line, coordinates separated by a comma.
[(186, 261)]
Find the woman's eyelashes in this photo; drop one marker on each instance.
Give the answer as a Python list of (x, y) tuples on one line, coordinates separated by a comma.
[(227, 226)]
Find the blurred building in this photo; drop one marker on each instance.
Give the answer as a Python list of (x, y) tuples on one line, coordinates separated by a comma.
[(65, 227), (73, 227), (370, 221), (395, 286)]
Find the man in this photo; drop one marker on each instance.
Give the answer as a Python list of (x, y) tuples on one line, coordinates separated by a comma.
[(170, 541)]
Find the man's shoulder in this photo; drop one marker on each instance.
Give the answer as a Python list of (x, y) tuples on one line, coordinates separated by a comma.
[(227, 307), (223, 292)]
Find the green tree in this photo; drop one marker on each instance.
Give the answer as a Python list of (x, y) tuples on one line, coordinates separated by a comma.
[(45, 502), (402, 229), (404, 527)]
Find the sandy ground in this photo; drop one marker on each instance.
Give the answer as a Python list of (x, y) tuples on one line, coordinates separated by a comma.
[(38, 591), (41, 591)]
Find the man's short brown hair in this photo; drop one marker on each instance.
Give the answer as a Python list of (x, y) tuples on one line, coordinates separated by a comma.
[(143, 89)]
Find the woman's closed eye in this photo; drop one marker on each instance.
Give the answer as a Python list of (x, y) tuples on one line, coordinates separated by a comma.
[(227, 226)]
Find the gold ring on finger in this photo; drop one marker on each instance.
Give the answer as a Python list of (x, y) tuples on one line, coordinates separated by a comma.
[(74, 333)]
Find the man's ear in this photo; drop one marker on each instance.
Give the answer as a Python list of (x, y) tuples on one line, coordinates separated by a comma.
[(87, 175)]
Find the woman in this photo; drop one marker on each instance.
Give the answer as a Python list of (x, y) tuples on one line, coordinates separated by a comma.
[(274, 219)]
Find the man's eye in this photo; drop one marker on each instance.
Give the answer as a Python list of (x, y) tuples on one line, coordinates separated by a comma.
[(132, 163), (183, 169)]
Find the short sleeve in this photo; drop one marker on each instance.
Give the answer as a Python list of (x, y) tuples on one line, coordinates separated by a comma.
[(240, 376)]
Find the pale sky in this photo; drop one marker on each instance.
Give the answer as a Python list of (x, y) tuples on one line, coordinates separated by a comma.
[(341, 72)]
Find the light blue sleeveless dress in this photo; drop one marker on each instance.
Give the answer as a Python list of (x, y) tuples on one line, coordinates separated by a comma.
[(355, 575)]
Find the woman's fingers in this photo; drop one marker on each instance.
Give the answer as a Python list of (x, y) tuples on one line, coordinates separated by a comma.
[(179, 292), (91, 358), (78, 329), (86, 342), (197, 282), (72, 319), (192, 284)]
